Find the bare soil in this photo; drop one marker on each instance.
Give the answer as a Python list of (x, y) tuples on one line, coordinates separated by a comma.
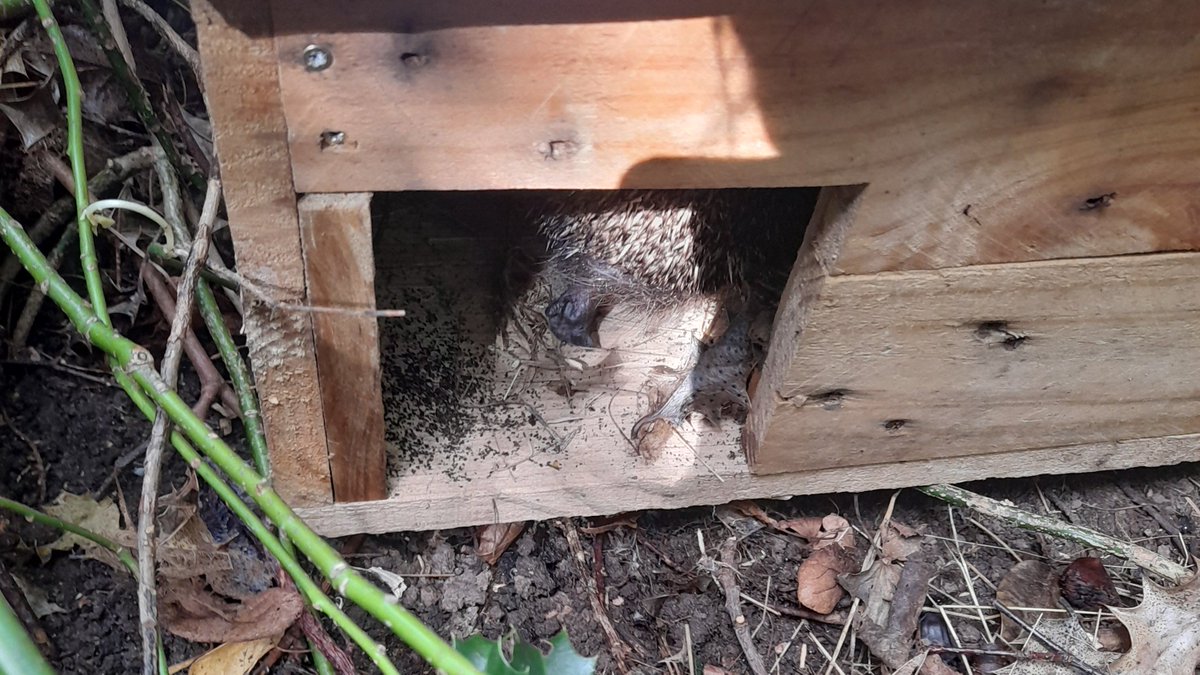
[(657, 598)]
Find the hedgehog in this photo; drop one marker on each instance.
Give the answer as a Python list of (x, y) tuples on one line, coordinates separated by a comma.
[(653, 250)]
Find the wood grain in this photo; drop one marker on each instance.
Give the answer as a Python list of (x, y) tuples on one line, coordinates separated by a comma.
[(905, 366), (610, 484), (340, 272), (984, 129), (251, 142)]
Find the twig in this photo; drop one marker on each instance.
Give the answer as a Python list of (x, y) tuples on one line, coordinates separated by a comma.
[(152, 466), (38, 465), (181, 47), (620, 650), (113, 17), (1073, 660), (1144, 558), (135, 373), (135, 92), (727, 577), (102, 184), (212, 384)]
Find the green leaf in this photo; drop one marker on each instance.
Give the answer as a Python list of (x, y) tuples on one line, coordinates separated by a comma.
[(564, 660), (488, 657)]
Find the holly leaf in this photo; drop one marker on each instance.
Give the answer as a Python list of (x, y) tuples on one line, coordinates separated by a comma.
[(1164, 630), (564, 660), (488, 657)]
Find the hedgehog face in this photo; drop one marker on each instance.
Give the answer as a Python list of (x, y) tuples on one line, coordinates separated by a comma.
[(572, 317)]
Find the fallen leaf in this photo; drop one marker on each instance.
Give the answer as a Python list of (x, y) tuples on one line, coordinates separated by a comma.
[(817, 585), (874, 587), (491, 541), (394, 581), (1164, 630), (835, 530), (189, 611), (1068, 634), (102, 518), (808, 528), (1086, 584), (233, 658), (1030, 584), (898, 541), (38, 601), (35, 116), (616, 522)]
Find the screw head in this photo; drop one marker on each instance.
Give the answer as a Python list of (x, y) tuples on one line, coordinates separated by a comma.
[(317, 58), (332, 138)]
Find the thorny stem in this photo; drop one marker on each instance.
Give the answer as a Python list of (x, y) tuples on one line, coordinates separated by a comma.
[(87, 244), (137, 363)]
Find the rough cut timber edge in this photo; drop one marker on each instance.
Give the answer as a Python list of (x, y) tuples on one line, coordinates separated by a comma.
[(471, 505), (989, 132), (250, 133), (340, 272)]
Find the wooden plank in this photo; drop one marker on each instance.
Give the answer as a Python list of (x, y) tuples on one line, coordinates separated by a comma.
[(908, 366), (989, 132), (619, 484), (251, 141), (340, 271)]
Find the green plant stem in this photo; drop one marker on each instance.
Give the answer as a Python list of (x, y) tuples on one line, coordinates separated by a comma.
[(175, 267), (87, 244), (138, 364), (309, 588), (123, 555), (18, 653), (239, 375)]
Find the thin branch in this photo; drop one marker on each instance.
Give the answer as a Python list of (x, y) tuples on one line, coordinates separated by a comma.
[(1144, 558), (212, 383), (181, 47), (148, 509), (102, 184), (727, 576)]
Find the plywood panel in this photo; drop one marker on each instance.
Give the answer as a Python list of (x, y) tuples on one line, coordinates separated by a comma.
[(340, 272), (909, 366), (251, 141), (989, 132)]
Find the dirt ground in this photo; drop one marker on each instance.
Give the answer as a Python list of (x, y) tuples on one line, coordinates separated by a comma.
[(657, 597)]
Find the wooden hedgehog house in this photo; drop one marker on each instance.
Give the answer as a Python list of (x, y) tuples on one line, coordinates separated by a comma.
[(999, 277)]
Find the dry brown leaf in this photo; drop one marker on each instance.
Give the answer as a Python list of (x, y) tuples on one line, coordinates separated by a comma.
[(808, 528), (102, 518), (817, 585), (190, 612), (613, 523), (233, 658), (874, 587), (898, 541), (491, 541), (1068, 634), (1030, 583), (835, 530), (1164, 631)]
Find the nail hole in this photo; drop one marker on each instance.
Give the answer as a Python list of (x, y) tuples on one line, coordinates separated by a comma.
[(413, 59), (1098, 202), (895, 425), (558, 149)]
